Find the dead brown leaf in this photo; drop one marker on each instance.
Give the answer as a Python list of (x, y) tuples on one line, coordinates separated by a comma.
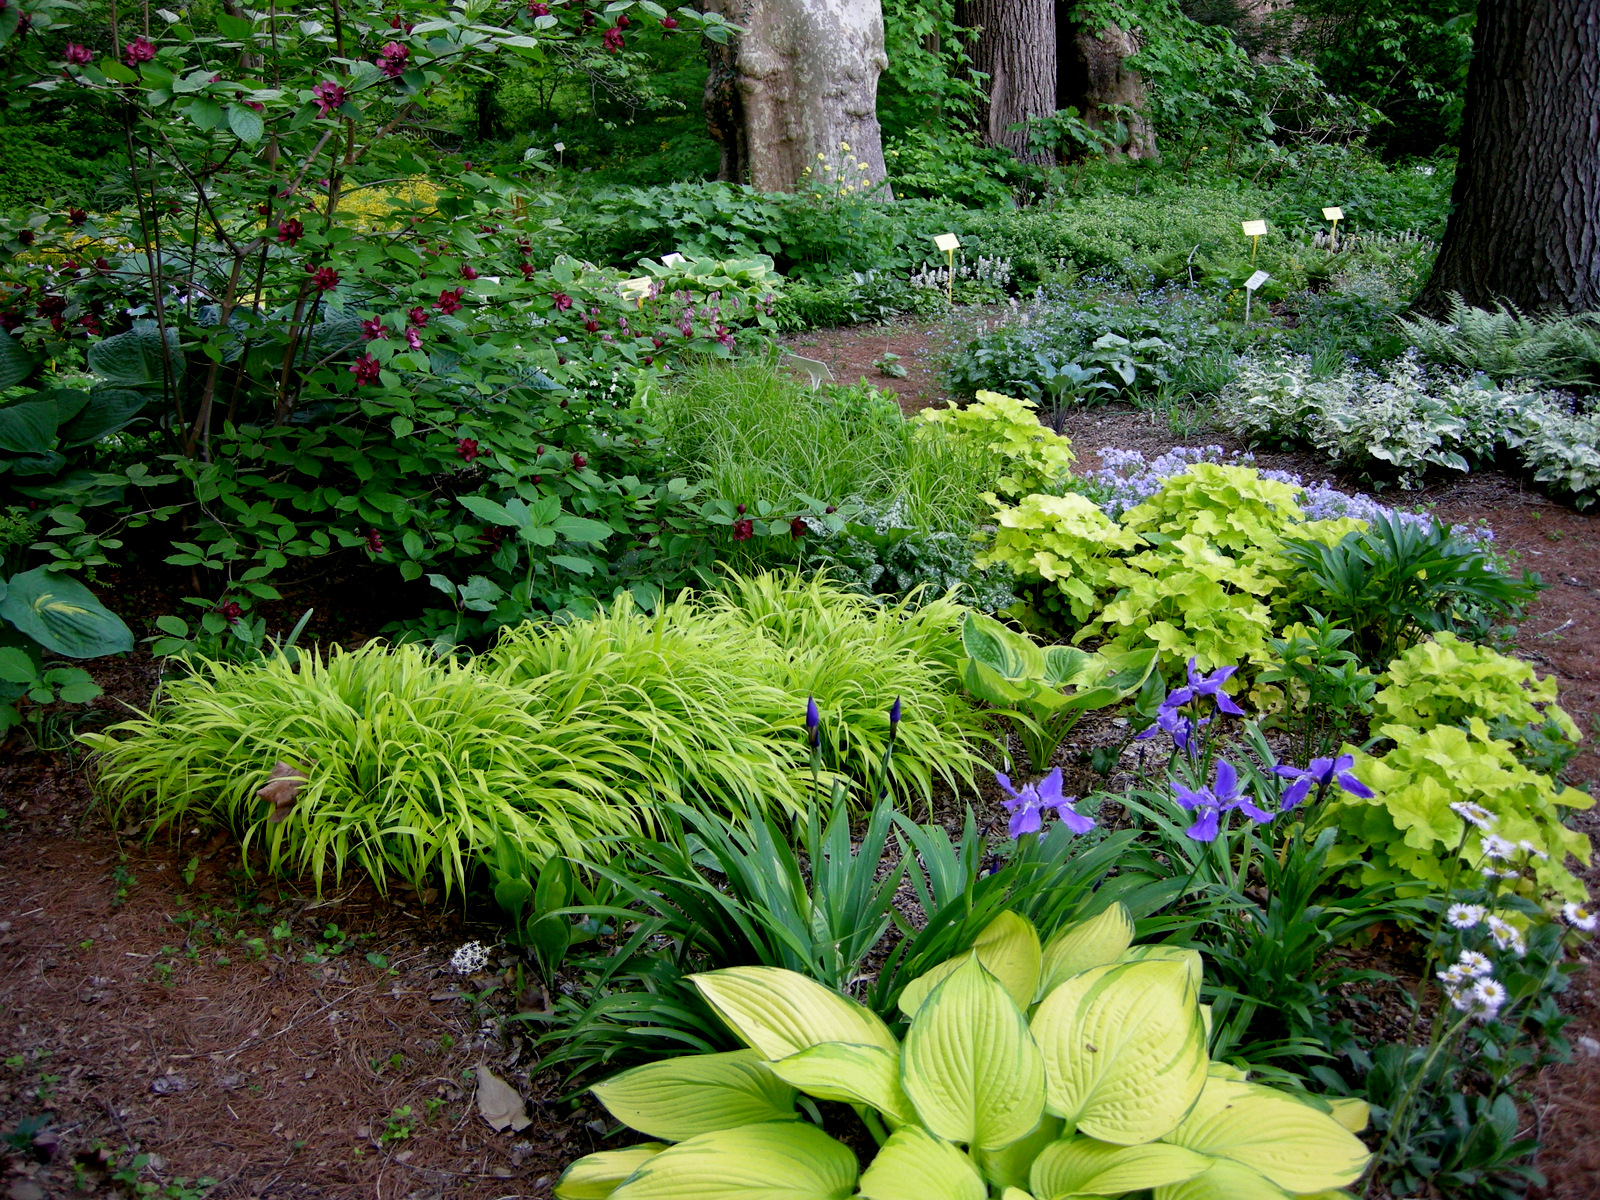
[(282, 790), (499, 1103)]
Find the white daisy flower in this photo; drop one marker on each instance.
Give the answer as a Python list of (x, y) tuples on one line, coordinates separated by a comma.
[(1460, 998), (1465, 916), (1473, 814), (469, 959), (1490, 995), (1474, 964), (1580, 916), (1495, 848)]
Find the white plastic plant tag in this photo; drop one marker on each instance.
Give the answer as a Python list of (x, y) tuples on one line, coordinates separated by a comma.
[(1254, 228), (947, 242), (1256, 280), (672, 260), (1334, 213), (560, 146)]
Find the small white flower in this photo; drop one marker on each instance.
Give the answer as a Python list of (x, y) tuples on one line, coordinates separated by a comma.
[(1473, 814), (1495, 848), (1465, 916), (1474, 964), (1453, 975), (1507, 937), (1531, 850), (469, 959), (1460, 998), (1490, 995), (1580, 916)]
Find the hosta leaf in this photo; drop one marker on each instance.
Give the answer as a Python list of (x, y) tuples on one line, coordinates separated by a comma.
[(1008, 948), (1012, 1193), (1225, 1180), (29, 427), (679, 1098), (596, 1176), (1189, 958), (1014, 656), (1124, 1050), (106, 411), (782, 1013), (851, 1075), (1083, 1166), (788, 1161), (63, 616), (970, 1065), (915, 1165), (1008, 1166), (1084, 944), (16, 364), (1292, 1144)]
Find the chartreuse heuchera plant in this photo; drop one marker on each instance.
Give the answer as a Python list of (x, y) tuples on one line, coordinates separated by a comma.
[(1074, 1068), (1035, 459)]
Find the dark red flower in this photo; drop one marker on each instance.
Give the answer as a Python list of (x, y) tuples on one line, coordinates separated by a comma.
[(396, 23), (468, 448), (743, 530), (591, 325), (328, 96), (588, 18), (579, 461), (413, 338), (140, 50), (52, 306), (325, 278), (373, 328), (365, 369), (417, 316), (561, 300), (526, 269), (797, 527), (25, 236), (90, 323), (611, 39), (740, 509), (537, 8), (392, 59), (656, 342), (231, 610), (102, 264), (669, 23), (291, 231), (374, 540), (78, 55), (450, 300), (623, 22), (468, 271)]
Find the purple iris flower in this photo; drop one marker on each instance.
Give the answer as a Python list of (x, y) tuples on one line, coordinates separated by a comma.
[(894, 713), (1027, 805), (1319, 774), (1210, 803), (1182, 729), (1206, 685), (813, 721)]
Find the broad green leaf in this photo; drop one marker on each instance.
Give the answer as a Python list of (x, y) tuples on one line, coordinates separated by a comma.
[(1014, 656), (512, 894), (246, 124), (487, 510), (915, 1165), (1292, 1144), (851, 1075), (29, 427), (105, 411), (787, 1161), (581, 529), (1084, 944), (133, 358), (1124, 1050), (63, 616), (970, 1065), (1068, 666), (1083, 1166), (1224, 1180), (16, 364), (782, 1012), (1013, 1193), (1189, 958), (1008, 948), (1351, 1112), (682, 1097), (16, 666), (984, 683), (1009, 1166), (596, 1176)]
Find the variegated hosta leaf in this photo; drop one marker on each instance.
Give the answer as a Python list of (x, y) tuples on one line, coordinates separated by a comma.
[(596, 1176), (1190, 958), (1292, 1144), (781, 1012), (970, 1065), (1124, 1050), (915, 1165), (1085, 944), (851, 1075), (1008, 948), (1224, 1180), (786, 1161), (1080, 1166), (1008, 1166), (680, 1098)]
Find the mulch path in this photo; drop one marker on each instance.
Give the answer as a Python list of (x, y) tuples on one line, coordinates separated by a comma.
[(288, 1070)]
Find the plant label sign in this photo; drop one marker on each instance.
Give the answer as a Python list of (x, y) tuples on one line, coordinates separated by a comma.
[(948, 242), (1254, 229), (636, 289), (671, 260), (1333, 213), (560, 146), (1256, 280)]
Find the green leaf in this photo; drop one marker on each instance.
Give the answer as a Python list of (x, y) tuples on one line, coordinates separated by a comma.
[(16, 666), (787, 1161), (581, 529), (235, 29), (850, 1075), (106, 411), (1008, 948), (970, 1065), (1295, 1146), (596, 1176), (1014, 656), (679, 1098), (1124, 1048), (402, 426), (246, 124), (487, 510), (512, 895), (29, 427), (579, 566), (16, 364), (63, 616), (1083, 1166), (1008, 1166), (133, 358), (1179, 954), (1228, 1181), (781, 1012), (1084, 944), (205, 114), (915, 1165)]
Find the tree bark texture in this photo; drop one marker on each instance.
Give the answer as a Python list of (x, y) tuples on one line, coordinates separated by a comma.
[(797, 91), (1525, 220), (1014, 44), (1095, 68)]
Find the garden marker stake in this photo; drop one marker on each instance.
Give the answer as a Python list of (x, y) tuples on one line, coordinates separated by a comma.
[(949, 243), (1250, 286), (1335, 214), (1255, 231)]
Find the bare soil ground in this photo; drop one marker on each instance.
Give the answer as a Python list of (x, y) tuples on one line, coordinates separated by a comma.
[(160, 999)]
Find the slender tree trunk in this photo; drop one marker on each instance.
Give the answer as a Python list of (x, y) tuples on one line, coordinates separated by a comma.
[(793, 99), (1525, 221), (1014, 44)]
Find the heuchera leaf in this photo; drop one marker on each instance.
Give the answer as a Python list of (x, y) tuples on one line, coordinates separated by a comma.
[(679, 1098), (915, 1165), (782, 1012), (1009, 950), (788, 1161)]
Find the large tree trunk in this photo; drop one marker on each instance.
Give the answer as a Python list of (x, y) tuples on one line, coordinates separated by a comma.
[(1015, 46), (1094, 76), (797, 91), (1525, 222)]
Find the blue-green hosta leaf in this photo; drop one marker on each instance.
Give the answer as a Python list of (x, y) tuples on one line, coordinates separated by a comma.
[(787, 1161), (679, 1098), (16, 364), (106, 411), (1008, 948), (596, 1176), (1292, 1144), (1124, 1049), (1090, 943), (63, 616), (782, 1012), (915, 1165), (850, 1075), (970, 1065), (1081, 1166)]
